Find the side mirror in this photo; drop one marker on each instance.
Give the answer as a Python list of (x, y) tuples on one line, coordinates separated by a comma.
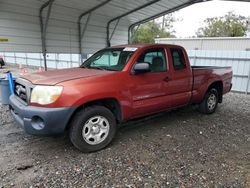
[(140, 68)]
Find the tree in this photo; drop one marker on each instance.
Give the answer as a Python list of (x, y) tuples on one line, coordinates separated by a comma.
[(167, 22), (146, 33), (230, 25)]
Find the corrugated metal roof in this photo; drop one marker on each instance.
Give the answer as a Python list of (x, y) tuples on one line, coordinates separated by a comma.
[(19, 22), (113, 8)]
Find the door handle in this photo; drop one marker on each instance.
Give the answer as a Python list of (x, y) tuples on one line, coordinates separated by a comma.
[(167, 79)]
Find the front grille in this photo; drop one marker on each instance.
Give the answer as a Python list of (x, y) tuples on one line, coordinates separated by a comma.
[(23, 90)]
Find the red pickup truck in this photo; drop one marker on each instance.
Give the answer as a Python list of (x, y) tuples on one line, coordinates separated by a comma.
[(114, 85)]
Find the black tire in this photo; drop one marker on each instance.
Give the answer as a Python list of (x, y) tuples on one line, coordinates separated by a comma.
[(79, 123), (2, 63), (205, 107)]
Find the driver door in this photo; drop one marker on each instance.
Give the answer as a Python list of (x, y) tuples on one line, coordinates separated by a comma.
[(148, 89)]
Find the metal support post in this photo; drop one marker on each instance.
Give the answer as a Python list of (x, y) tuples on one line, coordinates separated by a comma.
[(43, 26)]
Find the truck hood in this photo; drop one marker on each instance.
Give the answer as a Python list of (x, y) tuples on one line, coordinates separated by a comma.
[(61, 75)]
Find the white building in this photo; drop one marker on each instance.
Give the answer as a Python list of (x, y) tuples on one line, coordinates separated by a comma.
[(213, 43)]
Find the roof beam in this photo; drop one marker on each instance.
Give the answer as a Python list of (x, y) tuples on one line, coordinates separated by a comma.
[(108, 38), (81, 30), (44, 26), (161, 14)]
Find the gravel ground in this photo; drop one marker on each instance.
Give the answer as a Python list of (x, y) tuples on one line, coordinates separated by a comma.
[(177, 149)]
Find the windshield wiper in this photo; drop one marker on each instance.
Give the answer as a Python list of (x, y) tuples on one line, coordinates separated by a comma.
[(83, 66), (102, 68), (99, 68)]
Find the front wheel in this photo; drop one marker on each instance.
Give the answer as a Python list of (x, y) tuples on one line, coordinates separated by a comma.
[(93, 128), (210, 102)]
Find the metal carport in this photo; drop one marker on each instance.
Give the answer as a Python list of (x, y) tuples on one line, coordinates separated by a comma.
[(76, 26)]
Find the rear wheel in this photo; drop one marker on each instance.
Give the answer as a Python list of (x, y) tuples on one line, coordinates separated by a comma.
[(92, 128), (210, 102)]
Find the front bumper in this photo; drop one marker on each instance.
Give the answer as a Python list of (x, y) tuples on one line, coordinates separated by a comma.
[(54, 120)]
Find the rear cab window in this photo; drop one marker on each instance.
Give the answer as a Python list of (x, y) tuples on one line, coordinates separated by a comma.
[(178, 58)]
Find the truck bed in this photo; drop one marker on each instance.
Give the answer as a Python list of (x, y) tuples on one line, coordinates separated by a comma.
[(203, 75)]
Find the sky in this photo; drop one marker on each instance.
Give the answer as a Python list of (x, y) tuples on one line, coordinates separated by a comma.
[(191, 17)]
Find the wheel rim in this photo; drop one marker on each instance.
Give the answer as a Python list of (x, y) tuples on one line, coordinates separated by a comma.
[(211, 101), (95, 130)]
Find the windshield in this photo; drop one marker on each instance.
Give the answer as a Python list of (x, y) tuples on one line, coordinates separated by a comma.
[(113, 59)]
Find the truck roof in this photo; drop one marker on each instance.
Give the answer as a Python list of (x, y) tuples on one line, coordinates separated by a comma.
[(145, 45)]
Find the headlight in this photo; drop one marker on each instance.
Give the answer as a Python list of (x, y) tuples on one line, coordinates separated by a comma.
[(45, 94)]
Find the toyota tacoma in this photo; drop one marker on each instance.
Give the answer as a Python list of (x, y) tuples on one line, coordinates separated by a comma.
[(115, 85)]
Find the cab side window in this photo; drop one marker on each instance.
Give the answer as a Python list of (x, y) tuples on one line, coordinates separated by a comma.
[(156, 59), (178, 59)]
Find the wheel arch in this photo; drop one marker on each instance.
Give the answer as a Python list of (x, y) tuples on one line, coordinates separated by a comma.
[(111, 103), (218, 85)]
